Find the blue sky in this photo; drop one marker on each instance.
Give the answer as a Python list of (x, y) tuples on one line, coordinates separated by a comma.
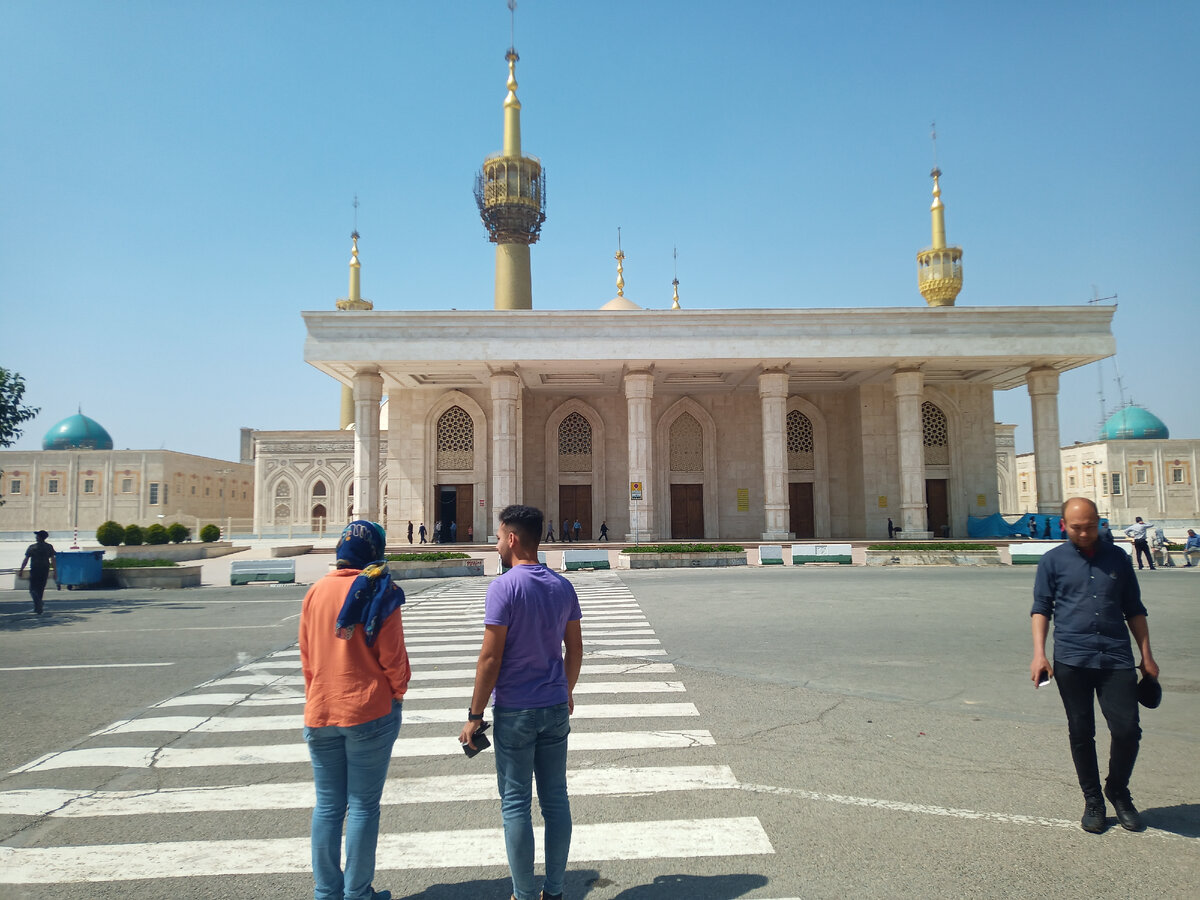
[(176, 180)]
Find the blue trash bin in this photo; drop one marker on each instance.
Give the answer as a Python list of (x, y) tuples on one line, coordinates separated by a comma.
[(78, 568)]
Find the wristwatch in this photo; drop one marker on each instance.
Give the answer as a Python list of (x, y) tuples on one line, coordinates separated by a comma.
[(471, 717)]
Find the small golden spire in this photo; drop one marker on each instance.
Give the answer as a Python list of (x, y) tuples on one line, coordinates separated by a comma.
[(355, 300), (620, 258), (675, 282)]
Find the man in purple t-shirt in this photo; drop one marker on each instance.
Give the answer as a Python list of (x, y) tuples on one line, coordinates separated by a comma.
[(530, 613)]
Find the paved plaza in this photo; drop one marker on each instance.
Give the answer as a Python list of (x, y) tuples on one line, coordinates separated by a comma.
[(758, 733)]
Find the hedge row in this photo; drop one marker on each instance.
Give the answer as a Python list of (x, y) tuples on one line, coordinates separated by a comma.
[(685, 548), (110, 534)]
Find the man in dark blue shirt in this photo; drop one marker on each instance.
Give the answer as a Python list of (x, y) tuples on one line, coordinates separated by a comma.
[(1088, 587)]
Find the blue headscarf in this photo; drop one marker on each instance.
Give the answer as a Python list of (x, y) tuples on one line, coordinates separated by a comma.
[(372, 597)]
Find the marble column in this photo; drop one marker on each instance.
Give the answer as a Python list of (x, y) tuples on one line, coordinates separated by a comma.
[(368, 391), (773, 390), (1043, 399), (639, 392), (506, 392), (909, 386)]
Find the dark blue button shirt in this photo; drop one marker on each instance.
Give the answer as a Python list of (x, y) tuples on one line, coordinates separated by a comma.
[(1089, 599)]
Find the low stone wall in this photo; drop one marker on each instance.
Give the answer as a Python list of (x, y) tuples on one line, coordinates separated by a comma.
[(436, 568), (933, 558), (574, 560), (828, 554), (293, 550), (188, 550), (770, 555), (680, 560), (154, 577)]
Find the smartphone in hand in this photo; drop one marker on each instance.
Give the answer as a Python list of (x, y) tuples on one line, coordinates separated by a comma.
[(1043, 678), (480, 739)]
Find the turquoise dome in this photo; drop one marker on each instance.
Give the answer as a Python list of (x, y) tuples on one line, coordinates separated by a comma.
[(77, 432), (1133, 423)]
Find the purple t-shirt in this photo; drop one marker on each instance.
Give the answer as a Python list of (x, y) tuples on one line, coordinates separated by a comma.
[(535, 605)]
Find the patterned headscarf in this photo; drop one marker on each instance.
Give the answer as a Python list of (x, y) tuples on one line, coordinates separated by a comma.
[(372, 597)]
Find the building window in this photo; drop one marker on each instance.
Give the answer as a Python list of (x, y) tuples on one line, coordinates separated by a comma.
[(1087, 478), (800, 442), (164, 495), (1139, 475), (126, 485), (220, 492), (1104, 483), (575, 444), (1177, 475), (1116, 482), (1070, 481), (89, 485), (686, 444), (243, 495), (193, 490), (154, 493), (935, 435), (1024, 485), (52, 486), (207, 491), (14, 487), (455, 440)]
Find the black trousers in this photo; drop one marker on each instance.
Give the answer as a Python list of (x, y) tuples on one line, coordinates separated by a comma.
[(37, 587), (1116, 689), (1140, 547)]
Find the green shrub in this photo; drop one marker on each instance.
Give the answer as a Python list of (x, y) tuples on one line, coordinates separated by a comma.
[(685, 548), (157, 534), (124, 562), (134, 535), (915, 545), (178, 533), (425, 557), (110, 534), (210, 533)]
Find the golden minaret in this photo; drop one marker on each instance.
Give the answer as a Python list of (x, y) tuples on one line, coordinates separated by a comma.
[(354, 301), (939, 268), (510, 193)]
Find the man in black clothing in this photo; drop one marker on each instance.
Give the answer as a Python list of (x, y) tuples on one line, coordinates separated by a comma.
[(40, 557), (1089, 588)]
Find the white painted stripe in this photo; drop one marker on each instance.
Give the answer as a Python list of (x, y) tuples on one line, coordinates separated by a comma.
[(633, 642), (86, 666), (615, 781), (605, 642), (681, 838), (230, 724), (178, 628), (187, 757), (630, 652)]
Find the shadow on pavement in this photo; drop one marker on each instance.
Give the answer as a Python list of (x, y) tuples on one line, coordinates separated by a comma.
[(577, 883), (64, 608), (700, 887), (1183, 819)]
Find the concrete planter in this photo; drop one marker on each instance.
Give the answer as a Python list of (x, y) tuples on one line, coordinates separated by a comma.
[(437, 568), (155, 577), (174, 552), (293, 550), (933, 558), (680, 560)]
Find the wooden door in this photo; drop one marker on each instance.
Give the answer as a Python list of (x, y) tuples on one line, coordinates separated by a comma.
[(464, 511), (575, 504), (802, 520), (687, 511), (937, 507)]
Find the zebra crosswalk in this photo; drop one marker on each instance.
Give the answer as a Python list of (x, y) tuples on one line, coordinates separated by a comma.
[(214, 783)]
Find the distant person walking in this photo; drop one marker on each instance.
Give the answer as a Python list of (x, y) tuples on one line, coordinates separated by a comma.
[(410, 532), (454, 532), (578, 530), (566, 531), (437, 531), (604, 531), (529, 615), (40, 557), (422, 532), (1046, 531), (1106, 534), (1032, 528), (550, 532), (1137, 533), (891, 529), (356, 673)]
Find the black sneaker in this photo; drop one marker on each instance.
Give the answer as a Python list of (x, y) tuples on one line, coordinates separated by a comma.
[(1095, 815), (1127, 814)]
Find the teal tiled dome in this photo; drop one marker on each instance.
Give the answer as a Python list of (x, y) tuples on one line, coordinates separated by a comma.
[(77, 432), (1133, 423)]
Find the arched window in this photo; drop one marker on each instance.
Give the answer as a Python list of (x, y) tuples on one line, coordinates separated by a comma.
[(455, 440), (687, 444), (350, 502), (575, 444), (319, 489), (283, 502), (935, 435), (800, 441)]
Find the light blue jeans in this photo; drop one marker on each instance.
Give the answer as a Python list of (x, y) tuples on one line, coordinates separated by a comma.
[(350, 765), (528, 743)]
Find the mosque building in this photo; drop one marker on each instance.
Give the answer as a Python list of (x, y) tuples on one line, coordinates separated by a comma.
[(78, 481), (1133, 468), (718, 424)]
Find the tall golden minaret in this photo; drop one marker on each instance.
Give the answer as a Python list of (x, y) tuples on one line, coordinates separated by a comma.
[(510, 193), (939, 268), (354, 301)]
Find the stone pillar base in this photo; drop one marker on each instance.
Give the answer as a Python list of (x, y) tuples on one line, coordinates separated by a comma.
[(778, 536), (914, 536), (642, 538)]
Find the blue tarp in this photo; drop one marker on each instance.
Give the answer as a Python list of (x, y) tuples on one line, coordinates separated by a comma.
[(996, 526)]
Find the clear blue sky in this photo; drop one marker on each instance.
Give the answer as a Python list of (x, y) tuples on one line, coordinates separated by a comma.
[(176, 180)]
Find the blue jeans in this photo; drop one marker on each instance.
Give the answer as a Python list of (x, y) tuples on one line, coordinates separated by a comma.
[(528, 743), (350, 765)]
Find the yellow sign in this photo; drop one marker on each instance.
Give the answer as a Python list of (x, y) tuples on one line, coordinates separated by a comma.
[(635, 490), (743, 495), (981, 500), (883, 501)]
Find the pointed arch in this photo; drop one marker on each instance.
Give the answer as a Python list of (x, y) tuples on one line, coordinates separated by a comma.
[(593, 476), (952, 468), (819, 473), (283, 508), (477, 475), (706, 472)]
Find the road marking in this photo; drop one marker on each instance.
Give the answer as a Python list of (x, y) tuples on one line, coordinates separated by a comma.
[(681, 838), (86, 666), (267, 754), (616, 781)]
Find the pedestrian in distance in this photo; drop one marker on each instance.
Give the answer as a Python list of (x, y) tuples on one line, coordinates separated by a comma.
[(1162, 548), (437, 531), (1032, 528), (604, 531), (470, 534), (566, 531), (891, 529), (1191, 547), (1137, 533), (1106, 534), (1092, 656), (550, 532), (356, 673), (1046, 531), (454, 532), (410, 530), (422, 532), (530, 613), (40, 557), (578, 531)]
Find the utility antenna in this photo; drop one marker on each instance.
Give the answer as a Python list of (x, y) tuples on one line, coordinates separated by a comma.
[(933, 137), (512, 24), (356, 215), (1096, 298)]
